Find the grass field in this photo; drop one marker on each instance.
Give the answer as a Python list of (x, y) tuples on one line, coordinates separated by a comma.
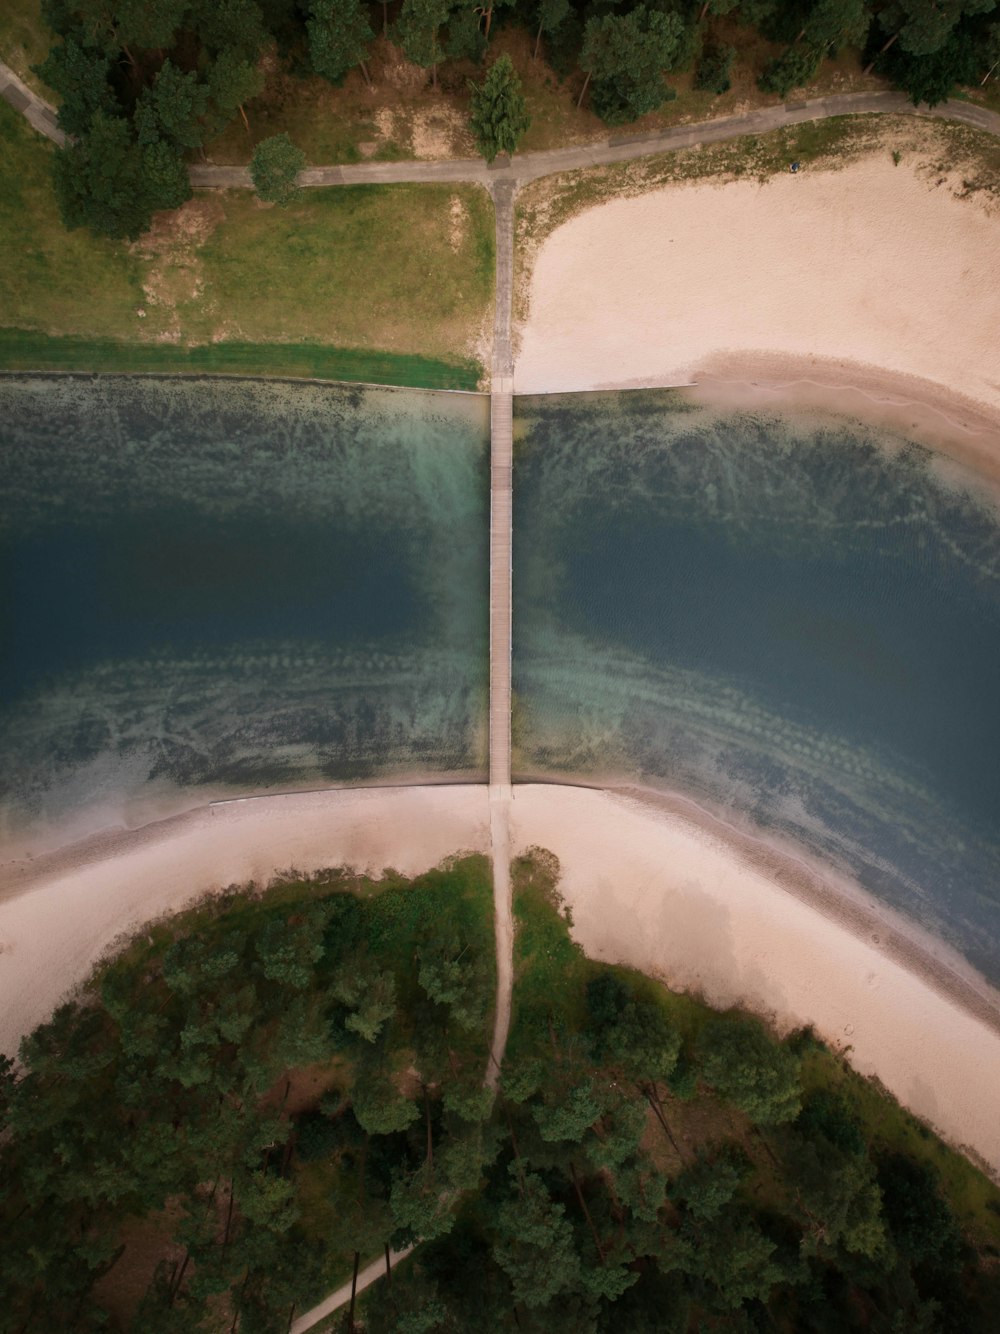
[(392, 284), (24, 40)]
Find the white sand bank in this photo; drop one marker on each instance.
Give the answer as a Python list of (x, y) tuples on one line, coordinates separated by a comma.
[(650, 884), (869, 266), (58, 919), (661, 891)]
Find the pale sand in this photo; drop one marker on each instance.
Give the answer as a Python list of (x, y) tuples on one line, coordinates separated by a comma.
[(652, 882), (660, 886), (59, 916), (869, 266)]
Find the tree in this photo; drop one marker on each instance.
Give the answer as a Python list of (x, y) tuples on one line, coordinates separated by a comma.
[(339, 37), (745, 1065), (922, 27), (625, 55), (232, 81), (836, 1200), (792, 69), (78, 70), (172, 108), (713, 68), (499, 112), (418, 31), (831, 24), (733, 1262), (551, 15), (101, 183), (707, 1187), (370, 993), (534, 1245), (275, 164)]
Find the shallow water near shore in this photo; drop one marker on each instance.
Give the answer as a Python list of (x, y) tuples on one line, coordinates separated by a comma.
[(216, 586), (793, 618)]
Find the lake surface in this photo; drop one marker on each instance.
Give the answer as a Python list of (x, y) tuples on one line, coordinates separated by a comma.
[(794, 619), (213, 586)]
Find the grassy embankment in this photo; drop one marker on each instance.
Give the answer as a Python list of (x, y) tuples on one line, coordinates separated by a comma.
[(386, 284)]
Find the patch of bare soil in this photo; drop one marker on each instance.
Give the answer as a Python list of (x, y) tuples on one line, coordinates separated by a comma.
[(171, 248)]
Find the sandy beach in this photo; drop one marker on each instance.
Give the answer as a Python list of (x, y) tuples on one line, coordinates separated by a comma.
[(59, 914), (652, 882), (874, 275), (660, 886)]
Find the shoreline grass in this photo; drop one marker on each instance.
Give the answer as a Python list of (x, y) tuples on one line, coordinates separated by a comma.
[(26, 350)]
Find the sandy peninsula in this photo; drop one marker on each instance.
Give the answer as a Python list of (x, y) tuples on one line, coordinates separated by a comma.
[(874, 275)]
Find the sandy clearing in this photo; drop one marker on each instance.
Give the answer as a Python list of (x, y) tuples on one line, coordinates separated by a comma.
[(869, 266), (668, 891), (56, 924)]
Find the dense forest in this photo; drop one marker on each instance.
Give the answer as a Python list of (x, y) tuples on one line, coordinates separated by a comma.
[(143, 83), (255, 1095)]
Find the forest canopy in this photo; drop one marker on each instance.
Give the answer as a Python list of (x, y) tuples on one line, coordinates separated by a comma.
[(143, 84), (256, 1095)]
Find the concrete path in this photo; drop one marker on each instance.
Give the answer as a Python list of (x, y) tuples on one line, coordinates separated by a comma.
[(525, 167), (37, 112), (369, 1275)]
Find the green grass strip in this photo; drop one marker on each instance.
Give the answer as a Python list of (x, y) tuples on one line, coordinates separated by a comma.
[(24, 350)]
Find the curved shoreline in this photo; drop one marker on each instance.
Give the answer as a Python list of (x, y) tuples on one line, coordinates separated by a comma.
[(653, 880)]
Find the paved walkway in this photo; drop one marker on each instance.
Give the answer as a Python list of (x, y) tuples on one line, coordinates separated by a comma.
[(37, 112), (525, 167)]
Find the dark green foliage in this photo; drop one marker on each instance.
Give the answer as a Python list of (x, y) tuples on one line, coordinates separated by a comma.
[(275, 164), (793, 69), (79, 70), (747, 1067), (104, 181), (707, 1187), (827, 1116), (560, 1208), (168, 1083), (499, 114), (626, 55), (171, 109), (931, 79), (922, 1225), (418, 30), (466, 39), (339, 37), (714, 68)]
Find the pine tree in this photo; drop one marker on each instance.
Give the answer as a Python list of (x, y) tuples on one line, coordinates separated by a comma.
[(499, 112)]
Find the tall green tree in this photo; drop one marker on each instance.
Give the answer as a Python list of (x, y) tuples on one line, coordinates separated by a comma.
[(79, 70), (103, 181), (339, 38), (552, 14), (747, 1067), (625, 56), (418, 31), (499, 113)]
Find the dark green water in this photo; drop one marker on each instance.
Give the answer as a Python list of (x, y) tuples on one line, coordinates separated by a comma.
[(211, 586), (795, 619)]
